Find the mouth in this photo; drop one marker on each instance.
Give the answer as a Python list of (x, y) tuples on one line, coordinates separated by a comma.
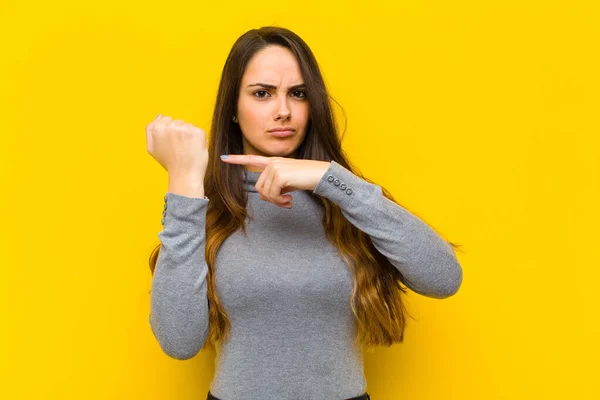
[(282, 132)]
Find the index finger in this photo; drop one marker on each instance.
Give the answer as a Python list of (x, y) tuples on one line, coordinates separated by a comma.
[(149, 142), (246, 159)]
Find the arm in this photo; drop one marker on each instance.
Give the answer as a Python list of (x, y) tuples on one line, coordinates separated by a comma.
[(179, 302), (426, 260)]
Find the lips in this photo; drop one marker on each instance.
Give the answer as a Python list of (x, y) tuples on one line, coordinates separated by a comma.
[(279, 133), (282, 131)]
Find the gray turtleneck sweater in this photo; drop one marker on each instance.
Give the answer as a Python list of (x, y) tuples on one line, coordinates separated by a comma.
[(285, 288)]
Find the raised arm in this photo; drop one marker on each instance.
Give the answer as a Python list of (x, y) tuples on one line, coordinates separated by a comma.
[(179, 302)]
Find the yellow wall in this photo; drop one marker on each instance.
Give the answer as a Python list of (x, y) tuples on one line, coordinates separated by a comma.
[(480, 117)]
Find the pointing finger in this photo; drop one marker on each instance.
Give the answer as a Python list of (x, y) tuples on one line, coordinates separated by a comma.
[(246, 159)]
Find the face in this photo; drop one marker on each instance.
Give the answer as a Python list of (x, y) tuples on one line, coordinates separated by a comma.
[(272, 95)]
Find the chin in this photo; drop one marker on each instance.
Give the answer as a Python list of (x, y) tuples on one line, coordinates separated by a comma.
[(279, 151)]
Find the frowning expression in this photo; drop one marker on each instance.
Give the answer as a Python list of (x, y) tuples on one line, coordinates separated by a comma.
[(272, 96)]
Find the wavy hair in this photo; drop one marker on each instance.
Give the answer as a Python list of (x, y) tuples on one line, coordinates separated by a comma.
[(378, 286)]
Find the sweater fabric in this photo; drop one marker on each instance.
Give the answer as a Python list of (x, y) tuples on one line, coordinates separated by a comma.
[(285, 287)]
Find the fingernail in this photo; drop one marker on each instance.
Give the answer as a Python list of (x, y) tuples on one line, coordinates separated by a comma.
[(157, 116), (224, 157)]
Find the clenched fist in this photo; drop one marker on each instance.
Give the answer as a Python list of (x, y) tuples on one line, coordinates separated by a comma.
[(179, 147)]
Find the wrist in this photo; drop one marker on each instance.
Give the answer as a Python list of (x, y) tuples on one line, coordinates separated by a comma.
[(321, 173), (186, 186)]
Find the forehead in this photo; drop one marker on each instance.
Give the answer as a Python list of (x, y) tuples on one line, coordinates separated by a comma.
[(272, 64)]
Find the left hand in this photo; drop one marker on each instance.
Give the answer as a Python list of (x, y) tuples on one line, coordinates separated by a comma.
[(281, 175)]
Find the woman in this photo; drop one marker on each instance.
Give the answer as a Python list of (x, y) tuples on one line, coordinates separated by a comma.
[(290, 293)]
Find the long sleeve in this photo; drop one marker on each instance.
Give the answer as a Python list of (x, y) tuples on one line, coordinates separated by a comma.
[(426, 260), (179, 302)]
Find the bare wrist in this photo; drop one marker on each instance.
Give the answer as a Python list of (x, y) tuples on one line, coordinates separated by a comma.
[(186, 186)]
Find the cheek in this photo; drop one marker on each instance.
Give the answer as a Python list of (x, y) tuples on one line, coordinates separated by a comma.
[(303, 112), (250, 111)]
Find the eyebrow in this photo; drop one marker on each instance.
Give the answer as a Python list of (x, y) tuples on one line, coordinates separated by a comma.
[(267, 86)]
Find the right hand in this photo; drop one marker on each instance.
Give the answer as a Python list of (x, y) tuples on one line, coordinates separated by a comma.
[(179, 147)]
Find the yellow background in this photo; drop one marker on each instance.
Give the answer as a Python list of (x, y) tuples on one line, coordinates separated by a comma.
[(482, 117)]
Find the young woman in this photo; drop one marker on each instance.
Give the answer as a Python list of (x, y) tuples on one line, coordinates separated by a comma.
[(282, 253)]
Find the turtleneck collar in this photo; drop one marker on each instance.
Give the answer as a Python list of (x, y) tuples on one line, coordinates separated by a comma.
[(250, 179)]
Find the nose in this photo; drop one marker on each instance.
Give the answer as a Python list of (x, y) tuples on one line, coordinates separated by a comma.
[(283, 111)]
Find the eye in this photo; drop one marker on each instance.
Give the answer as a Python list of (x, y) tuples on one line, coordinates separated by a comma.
[(259, 91), (303, 94)]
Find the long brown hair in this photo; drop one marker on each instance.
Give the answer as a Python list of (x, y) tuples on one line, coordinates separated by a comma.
[(377, 293)]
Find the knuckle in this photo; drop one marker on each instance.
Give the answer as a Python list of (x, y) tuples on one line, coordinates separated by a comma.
[(173, 124)]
